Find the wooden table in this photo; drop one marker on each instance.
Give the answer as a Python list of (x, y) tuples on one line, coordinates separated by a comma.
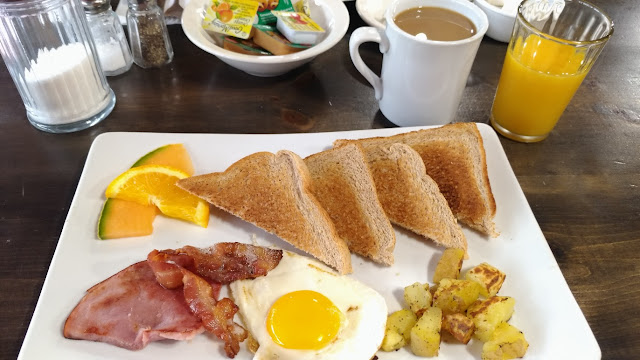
[(583, 182)]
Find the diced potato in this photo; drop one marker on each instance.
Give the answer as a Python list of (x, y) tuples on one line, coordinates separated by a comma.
[(392, 341), (425, 335), (455, 296), (449, 265), (459, 326), (418, 297), (506, 342), (398, 329), (489, 278), (489, 313)]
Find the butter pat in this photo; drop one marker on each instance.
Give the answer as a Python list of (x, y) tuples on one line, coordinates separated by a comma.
[(298, 27)]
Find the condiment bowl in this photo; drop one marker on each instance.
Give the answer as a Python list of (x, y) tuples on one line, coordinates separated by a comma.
[(331, 15), (500, 21)]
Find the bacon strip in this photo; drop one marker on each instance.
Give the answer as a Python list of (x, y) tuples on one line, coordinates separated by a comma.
[(221, 263), (228, 262), (166, 266), (217, 317)]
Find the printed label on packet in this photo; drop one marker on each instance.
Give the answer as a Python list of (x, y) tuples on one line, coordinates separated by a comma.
[(298, 21), (265, 17), (230, 17)]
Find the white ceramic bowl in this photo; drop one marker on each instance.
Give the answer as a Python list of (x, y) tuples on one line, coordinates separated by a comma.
[(331, 15), (500, 22)]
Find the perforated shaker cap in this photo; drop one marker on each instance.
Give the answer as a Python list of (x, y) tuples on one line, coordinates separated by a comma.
[(96, 6)]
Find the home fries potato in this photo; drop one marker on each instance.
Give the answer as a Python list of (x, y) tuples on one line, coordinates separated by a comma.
[(462, 306)]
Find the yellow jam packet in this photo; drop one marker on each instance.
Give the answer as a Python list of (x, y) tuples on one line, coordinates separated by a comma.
[(230, 17)]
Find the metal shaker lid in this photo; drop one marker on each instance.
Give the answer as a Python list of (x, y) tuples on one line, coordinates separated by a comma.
[(96, 6)]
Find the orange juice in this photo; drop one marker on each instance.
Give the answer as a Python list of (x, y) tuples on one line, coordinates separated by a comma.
[(539, 78)]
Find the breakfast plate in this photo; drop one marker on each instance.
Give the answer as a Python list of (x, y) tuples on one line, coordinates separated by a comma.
[(545, 311)]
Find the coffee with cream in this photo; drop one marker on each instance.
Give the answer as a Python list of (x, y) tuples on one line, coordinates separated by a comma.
[(436, 23)]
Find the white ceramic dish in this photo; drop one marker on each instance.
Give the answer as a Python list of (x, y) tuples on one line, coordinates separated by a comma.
[(500, 21), (545, 308), (373, 11), (331, 15)]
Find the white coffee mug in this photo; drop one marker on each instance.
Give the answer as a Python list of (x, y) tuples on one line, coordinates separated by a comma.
[(421, 81)]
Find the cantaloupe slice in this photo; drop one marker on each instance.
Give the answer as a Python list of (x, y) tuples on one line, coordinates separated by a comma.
[(121, 218), (174, 155)]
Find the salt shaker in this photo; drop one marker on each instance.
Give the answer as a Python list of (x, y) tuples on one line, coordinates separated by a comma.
[(150, 43), (51, 56), (108, 35)]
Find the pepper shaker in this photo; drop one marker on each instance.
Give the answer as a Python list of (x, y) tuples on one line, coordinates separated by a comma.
[(108, 36), (150, 43)]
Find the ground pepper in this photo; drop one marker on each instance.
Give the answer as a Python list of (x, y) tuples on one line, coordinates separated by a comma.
[(150, 43)]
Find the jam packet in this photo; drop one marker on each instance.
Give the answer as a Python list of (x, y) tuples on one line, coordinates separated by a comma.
[(230, 17), (265, 7)]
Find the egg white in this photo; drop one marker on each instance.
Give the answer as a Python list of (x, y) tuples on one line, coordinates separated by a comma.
[(364, 309)]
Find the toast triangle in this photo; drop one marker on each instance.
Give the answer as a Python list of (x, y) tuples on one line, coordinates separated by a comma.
[(273, 192), (455, 158), (344, 186), (410, 197)]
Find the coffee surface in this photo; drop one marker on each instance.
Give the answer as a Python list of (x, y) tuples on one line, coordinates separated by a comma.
[(436, 23)]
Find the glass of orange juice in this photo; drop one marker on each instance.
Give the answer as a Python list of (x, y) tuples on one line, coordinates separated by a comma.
[(552, 48)]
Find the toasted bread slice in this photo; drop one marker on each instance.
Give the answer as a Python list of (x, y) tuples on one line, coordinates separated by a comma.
[(454, 157), (410, 198), (273, 192), (344, 186)]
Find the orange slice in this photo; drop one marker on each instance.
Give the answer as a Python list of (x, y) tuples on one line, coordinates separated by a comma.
[(155, 185)]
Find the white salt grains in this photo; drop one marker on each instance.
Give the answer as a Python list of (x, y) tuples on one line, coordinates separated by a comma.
[(63, 85)]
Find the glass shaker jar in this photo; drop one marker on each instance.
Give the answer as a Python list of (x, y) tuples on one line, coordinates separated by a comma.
[(108, 35), (150, 43), (49, 52)]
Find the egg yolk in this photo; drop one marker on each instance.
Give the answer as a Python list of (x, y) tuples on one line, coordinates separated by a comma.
[(303, 320)]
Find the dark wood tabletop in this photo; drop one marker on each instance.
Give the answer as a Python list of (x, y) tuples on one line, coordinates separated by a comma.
[(582, 182)]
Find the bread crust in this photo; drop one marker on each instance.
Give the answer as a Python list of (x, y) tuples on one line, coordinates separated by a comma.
[(273, 192), (410, 198), (455, 158), (342, 183)]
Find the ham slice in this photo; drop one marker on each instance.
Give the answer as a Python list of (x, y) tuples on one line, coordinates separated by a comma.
[(130, 309)]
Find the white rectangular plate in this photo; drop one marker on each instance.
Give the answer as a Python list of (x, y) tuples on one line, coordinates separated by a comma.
[(545, 311)]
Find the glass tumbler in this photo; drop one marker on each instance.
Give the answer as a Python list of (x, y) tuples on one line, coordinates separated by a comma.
[(49, 52), (553, 46)]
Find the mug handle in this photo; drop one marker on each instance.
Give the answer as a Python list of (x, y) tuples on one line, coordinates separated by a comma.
[(362, 35)]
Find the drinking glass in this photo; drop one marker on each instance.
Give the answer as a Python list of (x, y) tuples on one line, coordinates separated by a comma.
[(553, 46)]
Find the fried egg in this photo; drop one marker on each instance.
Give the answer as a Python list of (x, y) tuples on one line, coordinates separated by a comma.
[(302, 309)]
